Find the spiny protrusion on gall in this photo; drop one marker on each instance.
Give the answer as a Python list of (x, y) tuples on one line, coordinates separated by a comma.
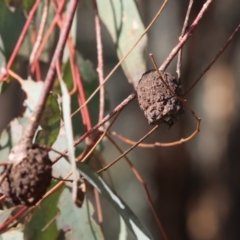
[(156, 100), (26, 181)]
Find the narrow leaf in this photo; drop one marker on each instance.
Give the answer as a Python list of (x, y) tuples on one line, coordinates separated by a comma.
[(66, 106), (133, 223), (124, 24)]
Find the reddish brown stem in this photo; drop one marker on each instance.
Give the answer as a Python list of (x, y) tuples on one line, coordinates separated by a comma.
[(14, 217), (21, 37), (186, 36), (32, 126), (100, 61), (111, 114)]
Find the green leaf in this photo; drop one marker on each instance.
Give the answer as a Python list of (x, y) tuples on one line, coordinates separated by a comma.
[(11, 25), (77, 223), (125, 26), (67, 77), (50, 122), (66, 104), (130, 219), (43, 224), (3, 85), (26, 48)]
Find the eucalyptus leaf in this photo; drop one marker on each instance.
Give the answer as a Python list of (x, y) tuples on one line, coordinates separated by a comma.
[(130, 219), (77, 223), (5, 145), (26, 48), (125, 26)]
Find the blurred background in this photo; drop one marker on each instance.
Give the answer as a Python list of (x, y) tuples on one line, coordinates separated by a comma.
[(194, 186)]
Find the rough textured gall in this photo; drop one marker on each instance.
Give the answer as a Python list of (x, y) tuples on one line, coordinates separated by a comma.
[(156, 100), (26, 181)]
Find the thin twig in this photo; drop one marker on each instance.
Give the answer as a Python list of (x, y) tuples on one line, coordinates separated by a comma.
[(40, 31), (111, 114), (13, 218), (47, 35), (186, 36), (21, 37), (185, 26), (214, 59), (128, 150), (32, 126), (100, 61), (144, 184), (100, 139)]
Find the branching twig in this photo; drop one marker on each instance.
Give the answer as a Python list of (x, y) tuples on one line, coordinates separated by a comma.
[(186, 36), (185, 26), (128, 150), (32, 126)]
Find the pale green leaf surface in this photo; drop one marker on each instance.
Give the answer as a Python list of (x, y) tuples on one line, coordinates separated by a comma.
[(130, 219), (17, 127), (27, 4), (77, 223), (33, 90), (12, 235), (123, 230), (125, 26), (66, 106), (61, 168), (73, 34)]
